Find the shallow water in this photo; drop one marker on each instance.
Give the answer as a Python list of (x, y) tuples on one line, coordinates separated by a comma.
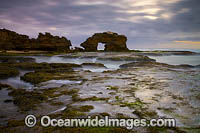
[(110, 65), (57, 83), (17, 83), (113, 65)]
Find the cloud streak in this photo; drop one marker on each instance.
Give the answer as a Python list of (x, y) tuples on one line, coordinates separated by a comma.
[(187, 42)]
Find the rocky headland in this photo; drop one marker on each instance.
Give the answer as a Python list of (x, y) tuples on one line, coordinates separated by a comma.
[(10, 40), (14, 43)]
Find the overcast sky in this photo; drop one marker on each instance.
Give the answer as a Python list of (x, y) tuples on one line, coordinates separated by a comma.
[(146, 23)]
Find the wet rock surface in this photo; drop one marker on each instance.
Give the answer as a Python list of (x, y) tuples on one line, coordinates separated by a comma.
[(6, 72), (139, 88), (133, 58), (4, 59), (155, 64), (93, 65)]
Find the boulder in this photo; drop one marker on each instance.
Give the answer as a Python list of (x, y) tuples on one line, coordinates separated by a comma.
[(113, 42)]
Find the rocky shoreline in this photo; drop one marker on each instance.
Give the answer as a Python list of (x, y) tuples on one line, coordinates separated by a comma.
[(45, 76), (10, 40), (14, 43), (139, 87)]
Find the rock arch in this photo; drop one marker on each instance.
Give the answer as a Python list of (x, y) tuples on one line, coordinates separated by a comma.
[(112, 41)]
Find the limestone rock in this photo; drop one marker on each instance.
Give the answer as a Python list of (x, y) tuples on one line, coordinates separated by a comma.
[(113, 42), (78, 49), (51, 43), (10, 40)]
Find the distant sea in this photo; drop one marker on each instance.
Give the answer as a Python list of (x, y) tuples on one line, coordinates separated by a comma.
[(176, 59), (165, 49)]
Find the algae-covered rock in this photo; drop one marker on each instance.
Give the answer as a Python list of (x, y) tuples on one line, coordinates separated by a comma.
[(6, 72), (146, 64), (93, 65), (16, 59), (2, 86), (44, 72), (135, 58), (43, 76), (26, 100), (36, 77), (50, 67)]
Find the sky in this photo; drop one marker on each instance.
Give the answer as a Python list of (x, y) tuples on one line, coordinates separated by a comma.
[(146, 23)]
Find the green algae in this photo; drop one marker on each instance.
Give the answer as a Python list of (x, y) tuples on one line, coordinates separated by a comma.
[(76, 98), (26, 100), (6, 72), (43, 76)]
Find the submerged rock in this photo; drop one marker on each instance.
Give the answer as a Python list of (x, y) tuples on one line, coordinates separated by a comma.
[(155, 64), (198, 66), (3, 86), (26, 100), (185, 66), (45, 72), (6, 72), (16, 59), (43, 76), (135, 58), (113, 42), (93, 65), (142, 64)]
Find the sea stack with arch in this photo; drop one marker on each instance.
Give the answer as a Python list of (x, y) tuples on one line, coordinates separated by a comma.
[(112, 41)]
